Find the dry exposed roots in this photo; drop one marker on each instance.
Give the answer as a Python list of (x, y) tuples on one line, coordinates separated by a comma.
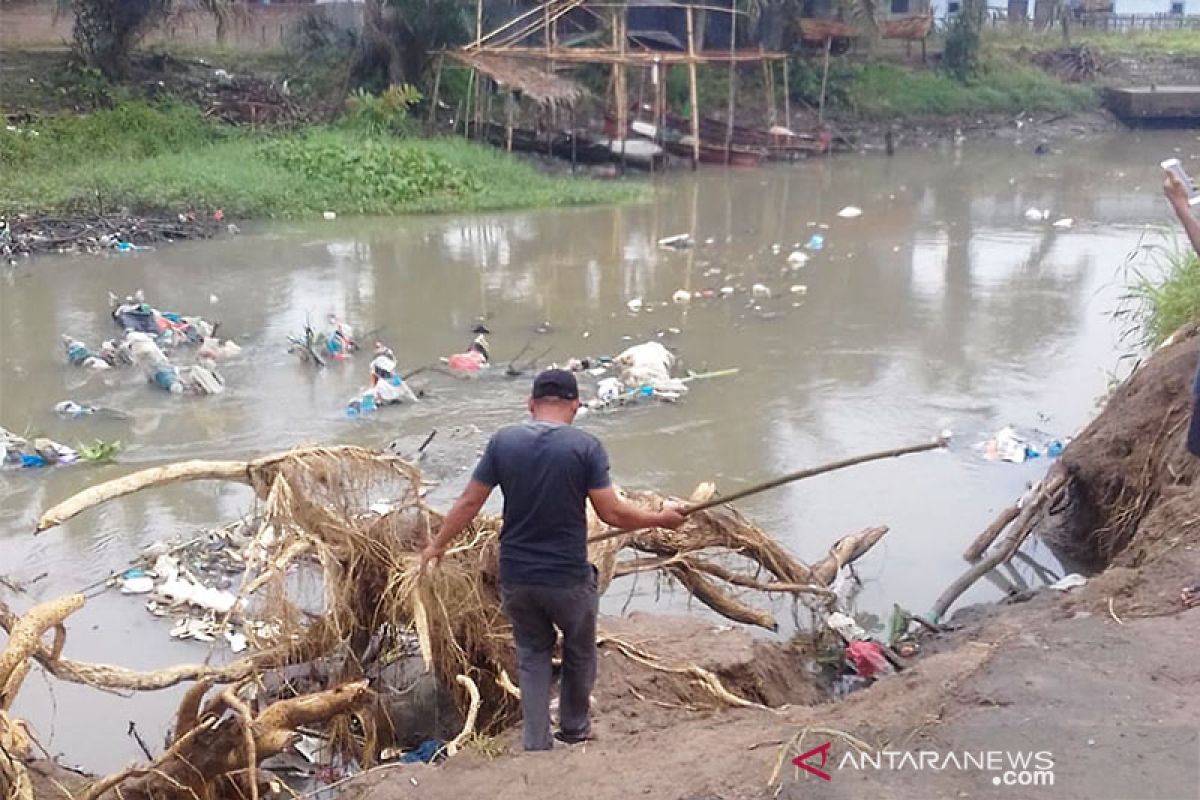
[(225, 748), (322, 528)]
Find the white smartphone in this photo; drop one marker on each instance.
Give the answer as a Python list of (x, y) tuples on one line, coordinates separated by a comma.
[(1175, 167)]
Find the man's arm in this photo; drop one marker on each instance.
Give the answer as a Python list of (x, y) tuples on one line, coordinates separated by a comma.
[(626, 516), (465, 508), (1177, 194)]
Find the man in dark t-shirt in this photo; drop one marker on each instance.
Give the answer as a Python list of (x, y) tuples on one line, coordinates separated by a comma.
[(547, 471)]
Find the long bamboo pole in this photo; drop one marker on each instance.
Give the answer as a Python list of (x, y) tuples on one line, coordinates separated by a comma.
[(787, 98), (620, 91), (792, 477), (437, 85), (824, 79), (478, 75), (732, 87), (693, 95)]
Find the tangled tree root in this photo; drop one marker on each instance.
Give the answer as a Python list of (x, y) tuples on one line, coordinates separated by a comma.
[(350, 523)]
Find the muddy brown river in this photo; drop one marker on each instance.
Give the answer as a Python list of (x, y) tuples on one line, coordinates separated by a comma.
[(941, 306)]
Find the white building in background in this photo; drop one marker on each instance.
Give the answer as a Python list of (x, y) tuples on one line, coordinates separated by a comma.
[(1176, 7)]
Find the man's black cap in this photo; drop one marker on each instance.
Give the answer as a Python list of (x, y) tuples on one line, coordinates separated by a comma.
[(555, 383)]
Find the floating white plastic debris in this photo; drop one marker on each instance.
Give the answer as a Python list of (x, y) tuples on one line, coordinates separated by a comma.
[(759, 290), (635, 304), (682, 297), (726, 291), (797, 258), (166, 567), (799, 288), (850, 212), (677, 242), (1065, 222), (1037, 215), (139, 585), (1068, 582), (330, 215), (237, 641), (213, 299)]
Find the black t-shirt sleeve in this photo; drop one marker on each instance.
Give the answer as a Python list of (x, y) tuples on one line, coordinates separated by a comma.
[(597, 467), (486, 471)]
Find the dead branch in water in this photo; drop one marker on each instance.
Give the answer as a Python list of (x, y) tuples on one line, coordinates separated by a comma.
[(218, 748), (1053, 484), (984, 540)]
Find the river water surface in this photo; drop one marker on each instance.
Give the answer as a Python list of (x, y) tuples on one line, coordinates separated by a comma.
[(940, 307)]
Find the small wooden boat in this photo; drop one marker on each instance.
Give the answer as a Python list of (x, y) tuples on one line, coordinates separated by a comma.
[(575, 145), (679, 144)]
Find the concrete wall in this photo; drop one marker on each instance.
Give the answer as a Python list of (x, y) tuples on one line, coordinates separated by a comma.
[(251, 27)]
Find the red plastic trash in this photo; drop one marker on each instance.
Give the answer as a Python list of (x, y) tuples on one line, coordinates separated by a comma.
[(867, 658)]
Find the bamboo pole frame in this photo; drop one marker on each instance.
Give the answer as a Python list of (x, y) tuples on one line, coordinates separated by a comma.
[(693, 95), (732, 90)]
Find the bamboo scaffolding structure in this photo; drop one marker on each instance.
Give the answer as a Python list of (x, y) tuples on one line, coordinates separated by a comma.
[(511, 39), (604, 55)]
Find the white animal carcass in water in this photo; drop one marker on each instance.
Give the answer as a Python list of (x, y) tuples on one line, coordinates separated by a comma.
[(648, 364)]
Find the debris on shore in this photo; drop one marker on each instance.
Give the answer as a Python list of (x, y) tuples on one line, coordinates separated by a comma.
[(33, 234)]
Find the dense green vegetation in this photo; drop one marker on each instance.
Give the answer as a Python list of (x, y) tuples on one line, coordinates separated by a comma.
[(149, 157), (1130, 43), (1165, 294), (884, 91)]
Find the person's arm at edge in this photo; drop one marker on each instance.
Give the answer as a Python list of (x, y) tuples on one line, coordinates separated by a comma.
[(465, 509), (1177, 195), (626, 516)]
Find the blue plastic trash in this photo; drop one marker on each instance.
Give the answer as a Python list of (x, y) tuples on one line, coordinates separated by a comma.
[(32, 461), (165, 378), (422, 753), (816, 242), (646, 391), (1054, 449)]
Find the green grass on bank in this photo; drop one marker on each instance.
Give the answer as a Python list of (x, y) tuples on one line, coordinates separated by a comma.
[(1131, 43), (152, 158), (1002, 86), (1165, 296)]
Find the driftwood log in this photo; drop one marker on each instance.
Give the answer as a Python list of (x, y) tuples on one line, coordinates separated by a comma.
[(1024, 524), (217, 756)]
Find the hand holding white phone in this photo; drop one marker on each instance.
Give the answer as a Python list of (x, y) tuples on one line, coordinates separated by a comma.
[(1175, 167)]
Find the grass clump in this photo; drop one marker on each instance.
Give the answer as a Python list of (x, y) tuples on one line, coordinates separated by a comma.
[(1164, 296), (881, 90), (151, 158), (1129, 43), (997, 85)]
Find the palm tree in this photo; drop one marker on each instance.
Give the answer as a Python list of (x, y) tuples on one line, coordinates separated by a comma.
[(106, 31)]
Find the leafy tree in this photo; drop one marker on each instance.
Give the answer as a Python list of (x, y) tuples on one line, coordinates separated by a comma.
[(106, 31), (400, 36)]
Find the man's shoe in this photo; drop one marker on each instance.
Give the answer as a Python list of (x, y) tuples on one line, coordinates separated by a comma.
[(568, 738)]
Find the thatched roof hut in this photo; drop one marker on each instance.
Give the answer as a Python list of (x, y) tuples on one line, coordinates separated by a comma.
[(524, 78)]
